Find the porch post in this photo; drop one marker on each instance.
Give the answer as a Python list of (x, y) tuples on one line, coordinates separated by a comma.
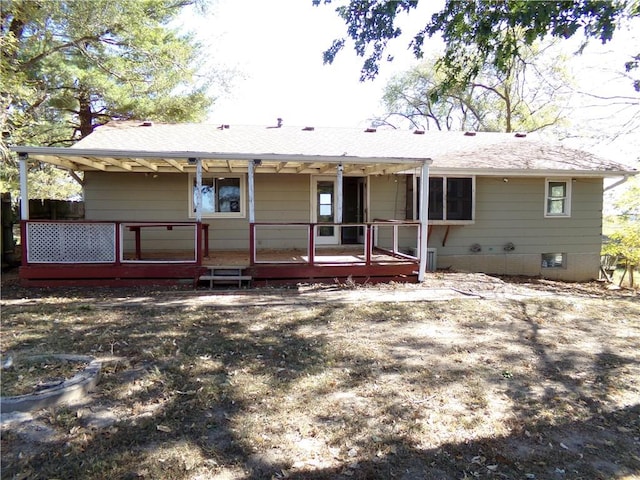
[(198, 190), (24, 187), (250, 172), (424, 218), (339, 194)]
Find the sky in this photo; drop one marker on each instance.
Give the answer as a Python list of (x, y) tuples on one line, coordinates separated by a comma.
[(276, 49), (273, 51)]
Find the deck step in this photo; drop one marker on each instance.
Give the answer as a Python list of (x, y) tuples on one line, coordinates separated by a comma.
[(225, 274), (225, 277)]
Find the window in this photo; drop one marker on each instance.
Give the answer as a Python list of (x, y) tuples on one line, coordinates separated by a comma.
[(451, 199), (221, 196), (554, 260), (557, 198)]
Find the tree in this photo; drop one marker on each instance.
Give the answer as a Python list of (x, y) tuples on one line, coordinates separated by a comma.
[(527, 96), (624, 241), (68, 66), (492, 28)]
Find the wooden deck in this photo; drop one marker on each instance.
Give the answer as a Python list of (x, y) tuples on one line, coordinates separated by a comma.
[(272, 267), (128, 253)]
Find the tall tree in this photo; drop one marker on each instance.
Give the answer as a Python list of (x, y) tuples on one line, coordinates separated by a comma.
[(493, 28), (68, 66), (526, 96)]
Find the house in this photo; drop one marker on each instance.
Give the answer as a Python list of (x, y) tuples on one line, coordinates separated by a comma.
[(226, 203)]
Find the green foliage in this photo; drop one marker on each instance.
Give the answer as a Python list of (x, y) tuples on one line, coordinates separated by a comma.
[(69, 66), (493, 29), (624, 240)]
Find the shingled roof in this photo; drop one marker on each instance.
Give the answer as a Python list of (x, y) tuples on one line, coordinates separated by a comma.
[(143, 146)]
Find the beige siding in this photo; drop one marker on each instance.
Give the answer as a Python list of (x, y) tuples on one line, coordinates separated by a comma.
[(387, 194), (282, 198), (513, 212), (506, 212), (165, 197)]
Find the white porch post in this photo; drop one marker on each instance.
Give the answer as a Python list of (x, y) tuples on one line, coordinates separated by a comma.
[(24, 187), (198, 189), (252, 206), (424, 218), (339, 193)]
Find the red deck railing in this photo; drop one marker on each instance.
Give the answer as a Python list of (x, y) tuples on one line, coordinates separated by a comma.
[(103, 242), (381, 236)]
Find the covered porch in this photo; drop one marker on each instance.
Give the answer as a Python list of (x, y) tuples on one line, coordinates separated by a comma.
[(121, 252)]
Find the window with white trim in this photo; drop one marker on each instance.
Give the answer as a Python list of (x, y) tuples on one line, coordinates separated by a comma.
[(557, 193), (451, 199), (222, 196)]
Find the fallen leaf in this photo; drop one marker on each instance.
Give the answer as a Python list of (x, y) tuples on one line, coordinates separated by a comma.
[(163, 428)]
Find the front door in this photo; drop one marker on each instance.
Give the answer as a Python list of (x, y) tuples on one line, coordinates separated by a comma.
[(324, 199)]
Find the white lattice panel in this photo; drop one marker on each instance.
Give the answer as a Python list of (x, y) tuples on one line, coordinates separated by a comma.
[(71, 243)]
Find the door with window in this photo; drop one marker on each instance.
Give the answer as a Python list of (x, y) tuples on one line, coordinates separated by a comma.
[(324, 210)]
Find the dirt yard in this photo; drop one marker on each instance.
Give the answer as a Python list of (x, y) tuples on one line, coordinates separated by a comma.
[(463, 377)]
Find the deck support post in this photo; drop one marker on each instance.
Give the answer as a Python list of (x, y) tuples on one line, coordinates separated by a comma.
[(198, 189), (252, 204), (339, 193), (424, 218), (24, 187)]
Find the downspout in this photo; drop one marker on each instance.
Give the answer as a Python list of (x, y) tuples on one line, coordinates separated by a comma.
[(424, 218), (24, 186), (618, 183)]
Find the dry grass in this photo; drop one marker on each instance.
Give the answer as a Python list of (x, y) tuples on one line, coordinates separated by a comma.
[(542, 387)]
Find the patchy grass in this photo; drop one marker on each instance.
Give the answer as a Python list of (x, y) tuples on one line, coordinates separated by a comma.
[(538, 387)]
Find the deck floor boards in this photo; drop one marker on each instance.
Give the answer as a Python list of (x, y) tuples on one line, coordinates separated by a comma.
[(237, 258)]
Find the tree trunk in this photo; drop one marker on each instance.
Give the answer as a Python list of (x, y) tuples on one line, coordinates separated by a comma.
[(85, 115)]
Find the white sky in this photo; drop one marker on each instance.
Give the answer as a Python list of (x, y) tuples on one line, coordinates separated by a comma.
[(276, 49)]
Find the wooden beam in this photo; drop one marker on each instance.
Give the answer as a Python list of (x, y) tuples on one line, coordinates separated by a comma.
[(280, 166), (353, 168), (373, 169), (75, 176), (327, 167), (90, 163), (303, 167), (175, 164), (146, 163), (60, 162), (117, 162)]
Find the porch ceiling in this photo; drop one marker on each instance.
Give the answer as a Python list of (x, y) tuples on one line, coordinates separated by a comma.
[(77, 159)]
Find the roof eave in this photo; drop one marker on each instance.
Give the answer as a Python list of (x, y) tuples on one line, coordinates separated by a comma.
[(503, 172), (42, 153)]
